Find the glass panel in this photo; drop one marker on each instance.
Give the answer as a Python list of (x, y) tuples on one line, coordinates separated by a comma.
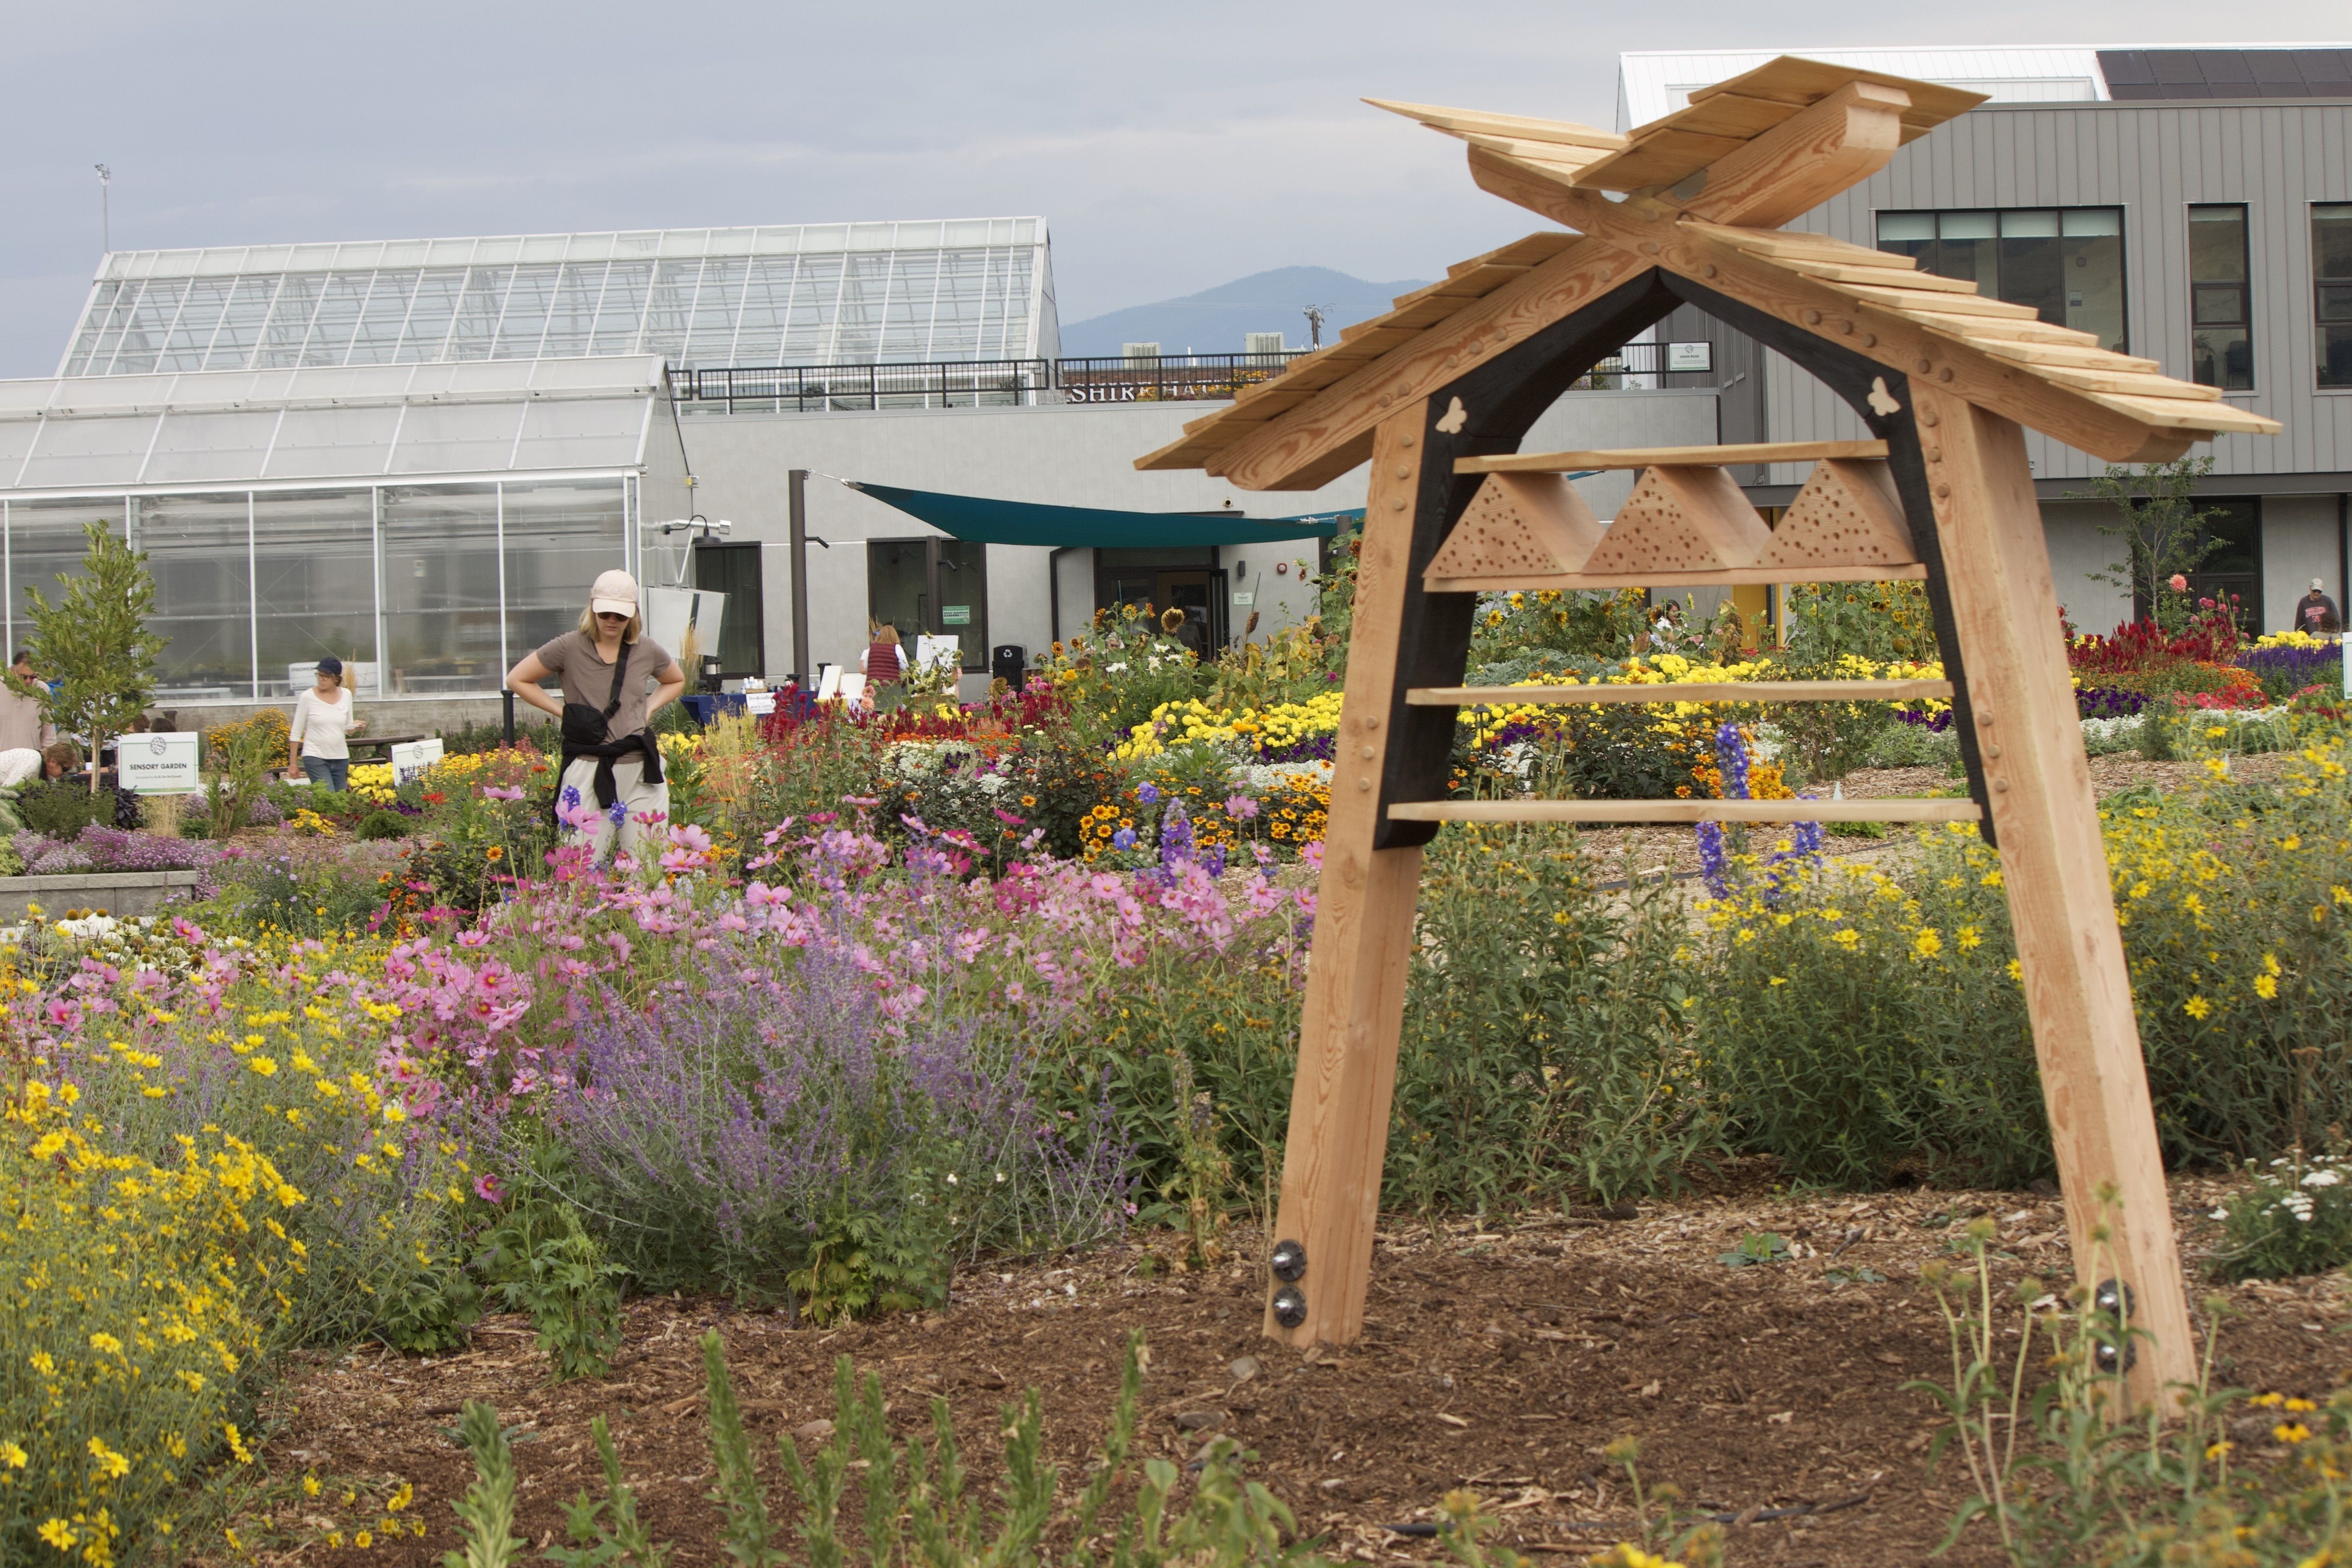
[(574, 316), (337, 318), (2217, 244), (622, 308), (149, 325), (2033, 266), (2092, 222), (426, 332), (241, 327), (46, 544), (377, 340), (712, 339), (290, 322), (1967, 246), (314, 583), (767, 302), (2331, 261), (963, 598), (559, 537), (2221, 304), (858, 323), (1905, 229), (2092, 278), (897, 586), (101, 309), (195, 548), (734, 569), (478, 313), (668, 311), (200, 317), (441, 588), (528, 302), (807, 334)]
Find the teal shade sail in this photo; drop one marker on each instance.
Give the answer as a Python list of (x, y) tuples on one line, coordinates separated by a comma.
[(990, 521)]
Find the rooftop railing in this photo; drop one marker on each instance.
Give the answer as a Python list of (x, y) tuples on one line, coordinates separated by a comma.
[(1111, 378)]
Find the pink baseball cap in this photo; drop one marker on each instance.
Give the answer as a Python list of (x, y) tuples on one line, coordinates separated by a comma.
[(615, 593)]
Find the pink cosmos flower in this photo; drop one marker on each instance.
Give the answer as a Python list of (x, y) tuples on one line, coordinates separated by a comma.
[(502, 792), (1241, 807), (487, 1188)]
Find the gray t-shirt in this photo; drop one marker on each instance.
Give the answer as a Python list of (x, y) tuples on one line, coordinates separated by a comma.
[(587, 677)]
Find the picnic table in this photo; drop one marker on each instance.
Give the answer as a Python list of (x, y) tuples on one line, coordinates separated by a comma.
[(385, 743)]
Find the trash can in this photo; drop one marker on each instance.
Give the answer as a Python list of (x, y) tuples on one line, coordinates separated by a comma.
[(1006, 662)]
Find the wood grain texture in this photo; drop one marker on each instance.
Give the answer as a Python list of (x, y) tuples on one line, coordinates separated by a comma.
[(1650, 456), (1519, 523), (1802, 161), (1847, 514), (1899, 809), (1683, 691), (1681, 519), (1354, 1005), (1741, 577), (2077, 990), (1876, 329)]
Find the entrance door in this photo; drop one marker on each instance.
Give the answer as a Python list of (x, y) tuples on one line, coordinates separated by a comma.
[(933, 586), (1201, 595), (733, 569)]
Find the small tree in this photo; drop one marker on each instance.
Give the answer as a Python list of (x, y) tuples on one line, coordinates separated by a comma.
[(2163, 530), (95, 645)]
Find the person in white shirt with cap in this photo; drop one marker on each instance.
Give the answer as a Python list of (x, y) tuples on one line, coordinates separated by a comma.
[(609, 756)]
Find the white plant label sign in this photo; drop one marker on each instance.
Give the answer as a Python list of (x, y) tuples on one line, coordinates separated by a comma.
[(158, 764)]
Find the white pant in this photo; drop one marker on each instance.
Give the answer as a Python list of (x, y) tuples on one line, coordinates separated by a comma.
[(633, 798)]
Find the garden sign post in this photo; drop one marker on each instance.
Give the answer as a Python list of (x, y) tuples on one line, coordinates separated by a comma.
[(1437, 395)]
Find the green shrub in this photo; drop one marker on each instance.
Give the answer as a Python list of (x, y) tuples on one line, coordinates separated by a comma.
[(1542, 1049), (381, 824), (1862, 1024), (61, 810), (2296, 1219)]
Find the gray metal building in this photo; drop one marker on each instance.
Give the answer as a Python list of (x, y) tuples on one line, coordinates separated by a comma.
[(2191, 206)]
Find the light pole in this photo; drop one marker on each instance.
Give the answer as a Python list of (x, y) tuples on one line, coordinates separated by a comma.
[(105, 212)]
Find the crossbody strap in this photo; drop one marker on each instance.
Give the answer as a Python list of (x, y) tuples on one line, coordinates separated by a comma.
[(620, 675)]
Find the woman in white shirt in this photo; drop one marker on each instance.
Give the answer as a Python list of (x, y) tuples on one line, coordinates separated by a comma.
[(324, 718)]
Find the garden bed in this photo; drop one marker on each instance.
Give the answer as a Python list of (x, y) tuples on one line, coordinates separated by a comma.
[(1502, 1360)]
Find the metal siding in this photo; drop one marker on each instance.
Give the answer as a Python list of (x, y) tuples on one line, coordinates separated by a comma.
[(2154, 161)]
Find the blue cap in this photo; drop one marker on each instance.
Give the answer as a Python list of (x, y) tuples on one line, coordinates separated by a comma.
[(330, 665)]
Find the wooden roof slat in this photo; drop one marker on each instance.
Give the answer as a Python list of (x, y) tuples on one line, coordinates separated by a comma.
[(2183, 413), (1989, 331), (1845, 272), (1315, 421), (2086, 355), (1482, 122), (1669, 457), (1792, 78), (2118, 378), (1658, 159), (1968, 304)]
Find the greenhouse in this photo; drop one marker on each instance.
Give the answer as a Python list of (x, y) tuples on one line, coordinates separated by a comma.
[(426, 523), (857, 293)]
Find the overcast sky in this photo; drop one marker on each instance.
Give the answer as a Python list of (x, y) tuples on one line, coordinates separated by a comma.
[(1171, 146)]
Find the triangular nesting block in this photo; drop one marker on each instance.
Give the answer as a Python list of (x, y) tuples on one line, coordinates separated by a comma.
[(1848, 514), (1681, 519), (1519, 525)]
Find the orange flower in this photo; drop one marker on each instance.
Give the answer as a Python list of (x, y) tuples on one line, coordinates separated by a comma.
[(494, 853)]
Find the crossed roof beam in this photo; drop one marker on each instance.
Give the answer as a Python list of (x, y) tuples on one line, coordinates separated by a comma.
[(1701, 193)]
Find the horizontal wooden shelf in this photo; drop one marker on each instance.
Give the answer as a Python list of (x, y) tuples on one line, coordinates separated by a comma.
[(1731, 578), (1669, 457), (1682, 692), (1897, 809)]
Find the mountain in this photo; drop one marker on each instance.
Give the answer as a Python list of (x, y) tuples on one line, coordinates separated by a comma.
[(1213, 320)]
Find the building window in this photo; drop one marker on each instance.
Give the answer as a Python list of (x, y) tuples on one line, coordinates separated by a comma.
[(2331, 268), (932, 587), (2065, 262), (2221, 310)]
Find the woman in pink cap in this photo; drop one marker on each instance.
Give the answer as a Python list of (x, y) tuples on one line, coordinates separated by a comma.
[(609, 756)]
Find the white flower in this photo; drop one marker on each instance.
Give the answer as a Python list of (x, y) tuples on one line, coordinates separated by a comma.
[(2322, 1178), (1118, 668), (2217, 1214), (951, 1179)]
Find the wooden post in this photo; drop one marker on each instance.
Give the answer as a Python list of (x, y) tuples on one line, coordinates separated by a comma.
[(1354, 1007), (2053, 863)]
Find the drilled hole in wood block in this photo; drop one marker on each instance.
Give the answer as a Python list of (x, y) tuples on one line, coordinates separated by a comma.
[(1516, 524), (1848, 514), (1682, 519)]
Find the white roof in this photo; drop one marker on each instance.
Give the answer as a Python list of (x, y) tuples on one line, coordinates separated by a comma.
[(955, 289), (230, 427), (1654, 83)]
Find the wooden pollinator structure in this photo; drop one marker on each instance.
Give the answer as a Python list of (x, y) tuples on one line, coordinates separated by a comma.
[(1438, 393)]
